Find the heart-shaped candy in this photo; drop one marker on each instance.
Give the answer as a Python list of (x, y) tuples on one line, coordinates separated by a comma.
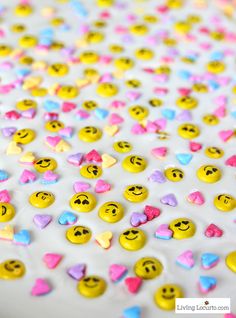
[(104, 239), (75, 159), (8, 131), (213, 231), (184, 158), (151, 212), (7, 233), (13, 149), (159, 152), (52, 141), (169, 199), (194, 146), (108, 161), (49, 177), (196, 198), (67, 218), (225, 135), (207, 283), (42, 220), (80, 186), (102, 186), (186, 259), (27, 176), (231, 161), (163, 232), (115, 119), (29, 113), (133, 284), (27, 159), (137, 219), (93, 156), (117, 272), (157, 176), (52, 260), (41, 287), (66, 132), (77, 271), (22, 238), (5, 196), (209, 260), (111, 130), (132, 312), (62, 146), (68, 107)]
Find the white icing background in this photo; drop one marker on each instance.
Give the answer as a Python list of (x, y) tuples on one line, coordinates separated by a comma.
[(15, 299)]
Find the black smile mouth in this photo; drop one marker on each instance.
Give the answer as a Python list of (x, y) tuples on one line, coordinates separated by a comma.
[(4, 210), (90, 286), (24, 136), (45, 166), (8, 268), (184, 229), (131, 239), (137, 193), (168, 297)]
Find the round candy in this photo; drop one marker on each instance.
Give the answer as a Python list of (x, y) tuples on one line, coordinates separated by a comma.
[(138, 112), (174, 174), (116, 48), (67, 92), (7, 212), (18, 28), (134, 164), (58, 69), (124, 63), (107, 89), (122, 146), (23, 10), (26, 104), (91, 286), (105, 3), (182, 228), (94, 37), (54, 125), (209, 173), (225, 202), (155, 102), (148, 268), (89, 57), (24, 136), (214, 152), (132, 239), (144, 54), (210, 119), (139, 29), (188, 131), (90, 134), (111, 212), (231, 261), (78, 234), (91, 171), (216, 67), (133, 83), (41, 199), (12, 269), (89, 105), (165, 296), (28, 41), (187, 102), (135, 193), (83, 202), (44, 164)]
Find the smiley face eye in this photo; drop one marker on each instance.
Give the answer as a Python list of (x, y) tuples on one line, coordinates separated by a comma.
[(87, 279), (139, 188), (77, 233), (134, 232), (84, 202), (132, 189), (85, 231), (178, 224), (12, 262), (172, 290), (185, 222), (164, 290), (126, 233), (95, 280)]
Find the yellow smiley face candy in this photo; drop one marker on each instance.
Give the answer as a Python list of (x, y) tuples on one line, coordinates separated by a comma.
[(182, 228), (91, 171), (138, 112), (7, 212), (107, 89), (54, 125), (44, 164), (187, 102), (12, 269), (165, 296), (58, 69), (210, 119), (124, 63), (78, 234), (91, 286), (111, 212), (148, 268), (209, 173), (122, 146), (41, 199), (231, 261), (188, 131), (83, 202), (214, 152), (174, 174), (23, 10), (24, 136), (90, 134), (132, 239), (26, 104), (134, 164), (225, 202), (135, 193), (215, 67), (67, 92)]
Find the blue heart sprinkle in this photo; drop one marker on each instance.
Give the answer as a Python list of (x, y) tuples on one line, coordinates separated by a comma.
[(132, 312), (67, 218), (168, 113), (184, 74), (22, 237), (184, 158), (3, 175), (207, 282), (208, 259), (101, 113), (50, 105)]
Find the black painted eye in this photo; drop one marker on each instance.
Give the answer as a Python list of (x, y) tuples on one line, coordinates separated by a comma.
[(17, 266), (77, 201), (134, 232), (85, 202), (172, 290), (147, 270), (126, 233), (46, 160), (77, 233), (12, 262), (214, 169), (139, 188), (174, 175), (85, 231), (164, 290), (178, 224), (185, 222), (87, 279), (96, 280), (132, 189)]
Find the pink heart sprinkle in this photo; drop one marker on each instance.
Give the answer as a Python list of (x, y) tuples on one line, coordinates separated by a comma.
[(50, 176), (5, 196), (220, 112), (196, 198), (225, 135), (27, 176), (186, 259), (151, 212), (41, 287), (80, 186), (115, 119), (213, 231), (52, 260), (67, 107), (161, 123), (102, 186), (184, 91), (93, 156), (133, 284), (163, 232), (117, 272), (117, 104), (53, 141), (231, 161), (159, 152), (194, 146), (138, 129), (151, 127), (138, 219)]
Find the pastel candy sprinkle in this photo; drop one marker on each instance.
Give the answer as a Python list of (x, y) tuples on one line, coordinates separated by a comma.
[(3, 175), (133, 284), (102, 186), (13, 149), (231, 161), (27, 176), (42, 220), (93, 156), (207, 283), (41, 287), (67, 218), (132, 312), (186, 259), (108, 161), (66, 132), (75, 159), (8, 131), (22, 238), (7, 233), (184, 158), (117, 272), (77, 271), (27, 159), (68, 107), (169, 199), (80, 186), (209, 260), (163, 232), (137, 219), (196, 198), (225, 135), (157, 176), (213, 231), (5, 196), (49, 177), (195, 146), (104, 239), (52, 260), (151, 212), (115, 119)]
